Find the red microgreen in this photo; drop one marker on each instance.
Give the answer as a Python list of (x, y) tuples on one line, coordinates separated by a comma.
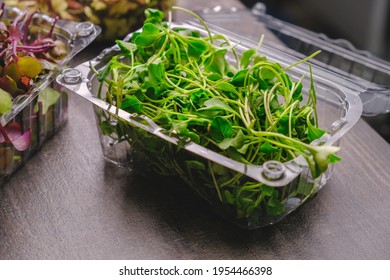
[(12, 133), (25, 54)]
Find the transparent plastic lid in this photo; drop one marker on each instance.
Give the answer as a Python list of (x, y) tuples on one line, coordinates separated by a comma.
[(367, 75)]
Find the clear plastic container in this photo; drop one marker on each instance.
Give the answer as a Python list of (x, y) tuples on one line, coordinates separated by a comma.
[(371, 74), (368, 75), (37, 115), (208, 173)]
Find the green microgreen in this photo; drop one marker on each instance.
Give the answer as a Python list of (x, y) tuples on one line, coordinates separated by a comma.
[(247, 108)]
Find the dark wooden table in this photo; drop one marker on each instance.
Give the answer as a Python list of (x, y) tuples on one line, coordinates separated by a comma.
[(67, 203)]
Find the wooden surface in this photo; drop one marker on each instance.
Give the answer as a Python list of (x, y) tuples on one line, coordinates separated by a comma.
[(67, 203)]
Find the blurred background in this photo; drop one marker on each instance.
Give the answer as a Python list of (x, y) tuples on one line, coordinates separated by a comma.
[(365, 23)]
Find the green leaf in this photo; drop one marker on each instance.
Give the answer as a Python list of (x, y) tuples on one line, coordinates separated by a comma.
[(226, 87), (217, 62), (216, 104), (332, 159), (234, 154), (196, 47), (197, 97), (314, 133), (297, 95), (275, 207), (12, 70), (220, 129), (131, 104), (153, 15), (149, 34), (268, 148), (193, 136), (179, 126), (243, 149), (262, 84), (126, 46), (283, 124), (246, 58), (5, 102), (239, 79), (104, 73), (247, 205), (266, 73), (47, 98), (229, 197), (214, 77), (156, 72), (236, 142), (269, 191)]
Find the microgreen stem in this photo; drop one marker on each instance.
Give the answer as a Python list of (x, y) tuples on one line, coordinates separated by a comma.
[(302, 60), (197, 17)]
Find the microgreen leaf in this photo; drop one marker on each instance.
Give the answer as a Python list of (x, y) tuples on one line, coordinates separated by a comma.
[(314, 133), (269, 191), (268, 148), (149, 34), (217, 63), (239, 78), (275, 207), (153, 15), (214, 76), (229, 197), (131, 104), (247, 57), (332, 159), (216, 104), (266, 73), (198, 97), (220, 129), (196, 47), (47, 98), (5, 102), (193, 136), (297, 95), (156, 73), (126, 46), (236, 142), (226, 87)]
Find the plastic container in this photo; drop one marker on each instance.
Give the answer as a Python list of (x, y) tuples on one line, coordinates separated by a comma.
[(116, 18), (37, 115), (204, 170), (368, 75)]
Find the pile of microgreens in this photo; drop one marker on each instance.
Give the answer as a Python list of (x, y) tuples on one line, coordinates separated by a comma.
[(24, 56), (247, 108)]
